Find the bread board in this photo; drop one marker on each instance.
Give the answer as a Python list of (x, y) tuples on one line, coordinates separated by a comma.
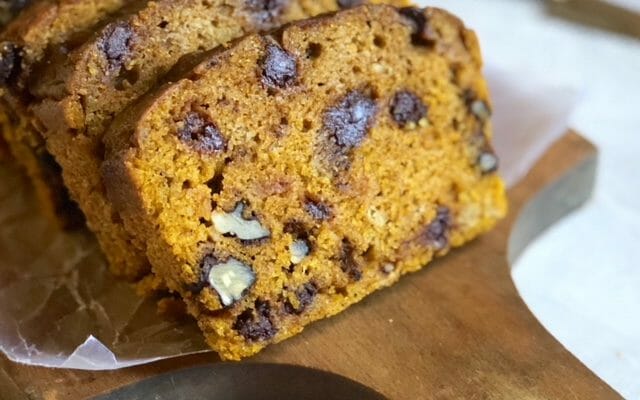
[(455, 330)]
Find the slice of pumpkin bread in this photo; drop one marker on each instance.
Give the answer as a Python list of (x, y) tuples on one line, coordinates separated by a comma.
[(26, 43), (77, 97), (289, 176)]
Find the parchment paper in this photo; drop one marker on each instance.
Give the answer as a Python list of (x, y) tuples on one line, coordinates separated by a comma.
[(60, 308)]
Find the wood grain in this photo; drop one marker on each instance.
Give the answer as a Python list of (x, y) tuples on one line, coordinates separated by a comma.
[(456, 330), (599, 13)]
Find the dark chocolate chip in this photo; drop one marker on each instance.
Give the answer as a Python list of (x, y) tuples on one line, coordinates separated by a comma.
[(348, 261), (10, 62), (296, 229), (256, 324), (406, 107), (116, 44), (266, 13), (279, 68), (305, 294), (216, 183), (318, 210), (423, 33), (349, 3), (350, 119), (202, 134), (436, 234)]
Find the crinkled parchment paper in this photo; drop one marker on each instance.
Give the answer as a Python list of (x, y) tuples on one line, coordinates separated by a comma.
[(60, 308)]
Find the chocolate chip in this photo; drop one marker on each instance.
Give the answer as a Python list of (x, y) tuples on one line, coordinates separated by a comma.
[(406, 108), (348, 261), (318, 210), (436, 234), (10, 62), (256, 324), (201, 134), (116, 44), (349, 3), (279, 68), (296, 229), (423, 33), (350, 120), (266, 13), (305, 294)]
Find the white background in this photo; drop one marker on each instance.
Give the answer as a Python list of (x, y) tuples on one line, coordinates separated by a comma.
[(582, 277)]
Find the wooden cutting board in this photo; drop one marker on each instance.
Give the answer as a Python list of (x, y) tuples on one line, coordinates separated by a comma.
[(456, 330)]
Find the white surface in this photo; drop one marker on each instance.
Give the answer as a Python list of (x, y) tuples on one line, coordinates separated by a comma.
[(582, 278)]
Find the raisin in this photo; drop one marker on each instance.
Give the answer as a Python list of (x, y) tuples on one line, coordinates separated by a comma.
[(10, 62), (116, 44), (423, 33), (350, 120), (279, 68), (348, 262), (318, 210), (436, 234), (407, 107), (305, 294), (349, 3), (256, 324), (201, 134), (266, 12)]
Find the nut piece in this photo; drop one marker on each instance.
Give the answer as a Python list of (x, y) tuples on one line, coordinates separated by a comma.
[(488, 162), (235, 224), (481, 110), (230, 279), (299, 251), (388, 268)]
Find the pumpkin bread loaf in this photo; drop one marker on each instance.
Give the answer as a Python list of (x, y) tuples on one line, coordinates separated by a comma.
[(78, 96), (288, 176), (25, 44)]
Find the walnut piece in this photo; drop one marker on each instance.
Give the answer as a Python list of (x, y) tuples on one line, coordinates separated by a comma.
[(230, 280), (235, 224), (299, 251)]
